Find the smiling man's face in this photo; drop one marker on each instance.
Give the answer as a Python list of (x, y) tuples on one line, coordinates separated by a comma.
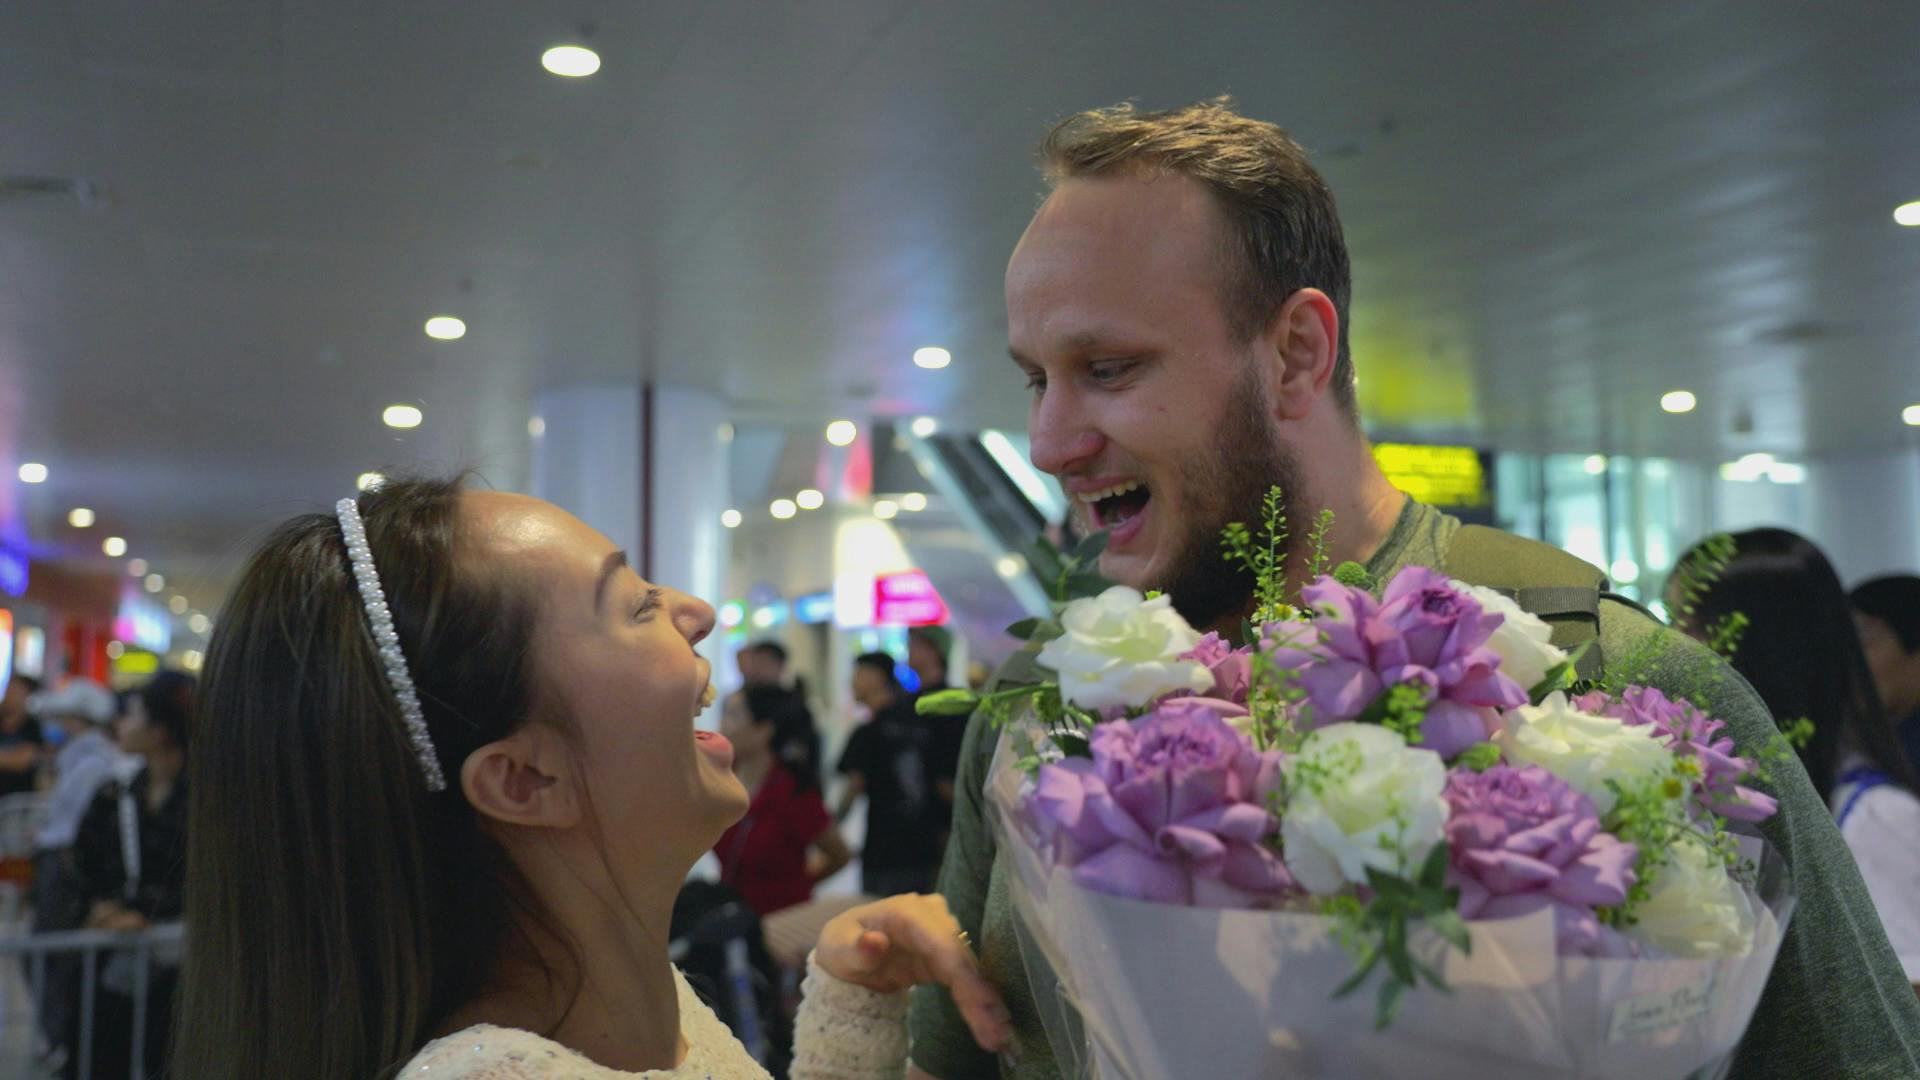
[(1146, 404)]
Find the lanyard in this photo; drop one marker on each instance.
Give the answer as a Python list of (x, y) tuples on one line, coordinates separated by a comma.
[(1863, 779)]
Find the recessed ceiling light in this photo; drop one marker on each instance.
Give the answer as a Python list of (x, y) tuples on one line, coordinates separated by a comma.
[(924, 427), (115, 650), (1907, 214), (178, 604), (367, 481), (1595, 464), (726, 432), (933, 357), (35, 473), (537, 427), (402, 416), (192, 659), (1625, 571), (137, 568), (1678, 401), (155, 583), (80, 517), (1911, 415), (810, 499), (114, 547), (783, 509), (886, 509), (446, 328), (1010, 566), (199, 623), (842, 432), (572, 61), (913, 502), (730, 518)]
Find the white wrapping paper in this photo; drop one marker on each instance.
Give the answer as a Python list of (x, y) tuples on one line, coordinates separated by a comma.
[(1138, 991)]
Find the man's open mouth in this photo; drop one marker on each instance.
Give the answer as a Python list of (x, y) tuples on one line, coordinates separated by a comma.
[(1113, 507)]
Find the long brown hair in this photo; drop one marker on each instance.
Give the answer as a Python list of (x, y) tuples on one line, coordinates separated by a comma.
[(338, 909)]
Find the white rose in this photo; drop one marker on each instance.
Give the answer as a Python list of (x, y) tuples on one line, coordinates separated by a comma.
[(1696, 909), (1523, 641), (1123, 649), (1358, 796), (1584, 750)]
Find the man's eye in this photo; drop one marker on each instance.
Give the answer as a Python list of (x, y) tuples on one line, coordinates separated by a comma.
[(1036, 382), (1106, 373)]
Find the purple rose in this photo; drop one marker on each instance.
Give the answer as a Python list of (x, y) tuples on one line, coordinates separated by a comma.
[(1691, 734), (1423, 632), (1232, 668), (1171, 807), (1522, 840)]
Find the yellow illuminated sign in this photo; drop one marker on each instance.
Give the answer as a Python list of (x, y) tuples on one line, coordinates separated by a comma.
[(136, 662), (1451, 476)]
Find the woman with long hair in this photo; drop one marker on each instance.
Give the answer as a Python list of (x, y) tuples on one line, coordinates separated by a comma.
[(787, 842), (446, 782), (1801, 652)]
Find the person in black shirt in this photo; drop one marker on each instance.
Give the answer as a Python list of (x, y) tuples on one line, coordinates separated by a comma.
[(927, 649), (888, 760), (1886, 611), (132, 886), (21, 741)]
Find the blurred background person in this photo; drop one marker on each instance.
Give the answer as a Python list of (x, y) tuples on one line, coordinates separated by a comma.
[(1801, 652), (763, 663), (929, 649), (1887, 612), (75, 719), (888, 760), (787, 842), (21, 741), (130, 856)]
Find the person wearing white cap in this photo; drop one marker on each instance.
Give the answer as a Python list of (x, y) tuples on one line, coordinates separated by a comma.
[(76, 718)]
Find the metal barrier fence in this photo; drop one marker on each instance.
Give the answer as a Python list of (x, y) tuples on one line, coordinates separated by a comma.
[(139, 946)]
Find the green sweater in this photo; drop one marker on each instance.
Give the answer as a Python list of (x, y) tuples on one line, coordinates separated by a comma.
[(1838, 1004)]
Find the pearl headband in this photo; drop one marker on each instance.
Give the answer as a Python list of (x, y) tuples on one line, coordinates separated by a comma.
[(380, 622)]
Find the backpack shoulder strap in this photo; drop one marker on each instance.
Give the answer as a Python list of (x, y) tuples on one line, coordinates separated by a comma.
[(1561, 589)]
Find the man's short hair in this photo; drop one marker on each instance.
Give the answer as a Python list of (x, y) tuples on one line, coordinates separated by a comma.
[(880, 662), (1279, 211), (773, 649), (1894, 600)]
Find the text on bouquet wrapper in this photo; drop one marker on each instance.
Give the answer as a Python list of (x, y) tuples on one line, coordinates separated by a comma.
[(1645, 1014)]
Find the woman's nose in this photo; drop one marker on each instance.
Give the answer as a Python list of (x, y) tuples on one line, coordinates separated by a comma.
[(693, 616)]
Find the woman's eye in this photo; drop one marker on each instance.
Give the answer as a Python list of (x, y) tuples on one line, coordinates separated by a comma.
[(1036, 383), (648, 604)]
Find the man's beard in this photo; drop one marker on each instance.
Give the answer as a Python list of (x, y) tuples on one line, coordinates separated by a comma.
[(1229, 485)]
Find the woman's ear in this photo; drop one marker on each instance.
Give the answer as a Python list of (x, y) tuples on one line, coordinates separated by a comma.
[(524, 779)]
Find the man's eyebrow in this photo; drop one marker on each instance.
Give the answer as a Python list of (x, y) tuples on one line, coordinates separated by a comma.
[(608, 568)]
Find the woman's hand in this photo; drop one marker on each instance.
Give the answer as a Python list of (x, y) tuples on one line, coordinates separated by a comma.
[(108, 915), (907, 940)]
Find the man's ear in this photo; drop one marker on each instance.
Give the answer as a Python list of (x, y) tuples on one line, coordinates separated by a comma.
[(524, 779), (1302, 345)]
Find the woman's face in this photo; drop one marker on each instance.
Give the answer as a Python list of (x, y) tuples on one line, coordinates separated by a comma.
[(613, 655), (136, 732)]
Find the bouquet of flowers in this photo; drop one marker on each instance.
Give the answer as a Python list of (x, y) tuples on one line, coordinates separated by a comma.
[(1216, 845)]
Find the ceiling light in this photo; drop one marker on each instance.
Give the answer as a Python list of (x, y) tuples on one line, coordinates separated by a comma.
[(1911, 415), (115, 650), (1625, 571), (446, 328), (1786, 472), (842, 432), (155, 583), (933, 357), (80, 517), (886, 509), (924, 426), (1907, 214), (726, 432), (367, 481), (1595, 464), (1010, 566), (136, 568), (114, 547), (192, 659), (730, 518), (537, 427), (913, 502), (810, 499), (1678, 401), (572, 61), (199, 623), (402, 416), (782, 509), (35, 473), (178, 604)]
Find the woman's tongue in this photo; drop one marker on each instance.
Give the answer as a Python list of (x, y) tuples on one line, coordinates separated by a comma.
[(1120, 509)]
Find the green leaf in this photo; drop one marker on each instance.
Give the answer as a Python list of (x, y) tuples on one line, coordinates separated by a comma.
[(947, 703), (1359, 977), (1091, 548), (1395, 947), (1389, 886), (1433, 872), (1560, 676), (1479, 757), (1353, 575), (1024, 629), (1388, 1005), (1449, 925)]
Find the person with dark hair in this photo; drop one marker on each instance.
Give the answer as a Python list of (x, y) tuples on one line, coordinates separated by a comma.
[(1801, 653), (763, 663), (445, 788), (131, 858), (888, 760), (786, 843), (21, 741), (927, 654), (1179, 307), (1887, 612)]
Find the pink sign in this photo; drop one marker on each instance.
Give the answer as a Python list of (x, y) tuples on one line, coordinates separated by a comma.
[(907, 599)]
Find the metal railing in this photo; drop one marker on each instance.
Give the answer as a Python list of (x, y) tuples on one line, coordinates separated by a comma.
[(140, 947)]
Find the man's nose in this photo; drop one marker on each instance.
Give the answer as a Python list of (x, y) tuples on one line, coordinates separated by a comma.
[(1059, 435)]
